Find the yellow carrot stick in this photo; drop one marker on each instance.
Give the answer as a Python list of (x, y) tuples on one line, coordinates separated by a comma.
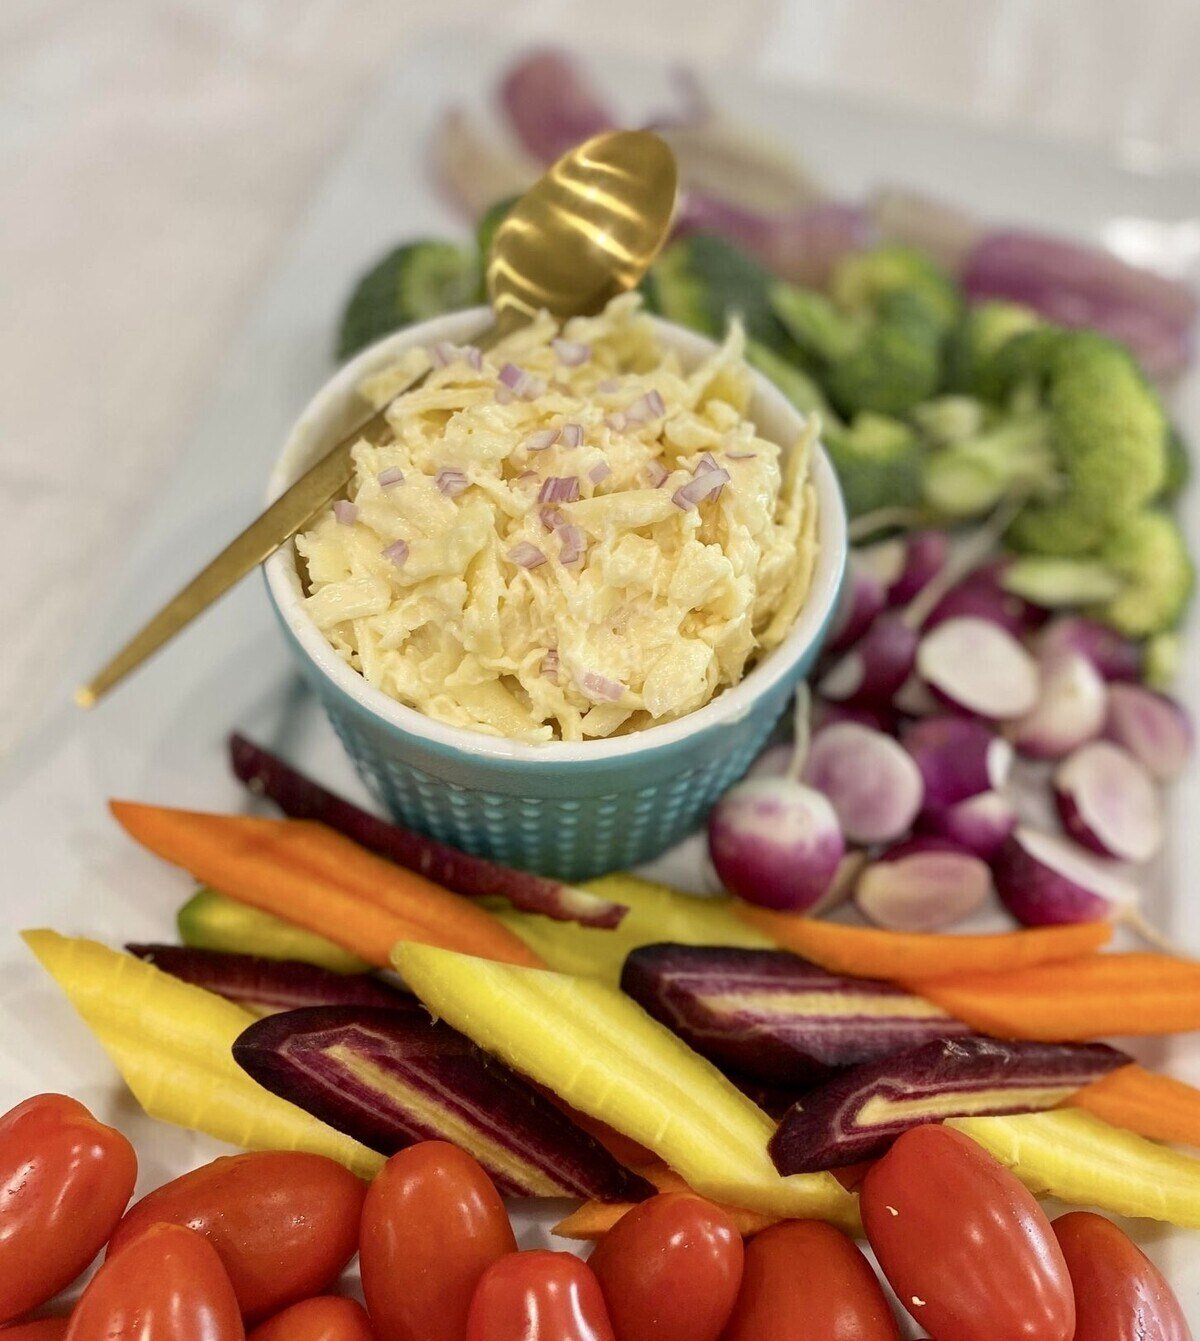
[(172, 1042)]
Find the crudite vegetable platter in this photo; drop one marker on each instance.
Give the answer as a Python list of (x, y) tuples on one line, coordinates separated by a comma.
[(895, 1036)]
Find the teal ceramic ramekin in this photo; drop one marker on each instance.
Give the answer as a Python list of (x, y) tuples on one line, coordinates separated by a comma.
[(566, 809)]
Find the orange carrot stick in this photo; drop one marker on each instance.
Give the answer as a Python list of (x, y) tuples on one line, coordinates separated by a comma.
[(908, 957), (318, 879), (1154, 1106), (594, 1219), (1072, 1002)]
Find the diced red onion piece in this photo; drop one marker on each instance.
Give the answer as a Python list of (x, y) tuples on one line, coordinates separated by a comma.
[(525, 555), (1070, 710), (397, 553), (706, 462), (1152, 727), (522, 383), (649, 406), (393, 475), (549, 667), (345, 511), (571, 544), (1109, 803), (571, 353), (700, 487), (600, 687), (512, 377), (979, 667), (872, 784), (474, 356), (559, 489), (526, 476), (616, 421), (539, 441), (600, 472), (551, 518), (450, 482), (657, 473), (572, 435)]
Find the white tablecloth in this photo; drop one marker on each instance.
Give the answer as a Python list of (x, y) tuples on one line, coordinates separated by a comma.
[(155, 153)]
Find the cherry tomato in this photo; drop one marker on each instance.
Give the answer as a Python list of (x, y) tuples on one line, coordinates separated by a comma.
[(670, 1269), (45, 1329), (806, 1281), (326, 1318), (1120, 1295), (433, 1222), (284, 1224), (167, 1284), (64, 1181), (966, 1248), (538, 1296)]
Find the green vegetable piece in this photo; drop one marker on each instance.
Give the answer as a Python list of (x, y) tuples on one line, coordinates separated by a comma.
[(211, 921), (879, 462), (1052, 583), (793, 381), (703, 281), (1149, 553), (411, 284), (489, 221), (1178, 469), (978, 338), (947, 421), (821, 331), (602, 1054), (1163, 654), (862, 279)]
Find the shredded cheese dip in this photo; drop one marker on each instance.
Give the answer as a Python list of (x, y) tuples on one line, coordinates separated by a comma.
[(569, 538)]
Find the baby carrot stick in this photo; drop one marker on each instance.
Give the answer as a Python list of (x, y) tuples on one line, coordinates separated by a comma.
[(1072, 1002), (1156, 1106), (318, 879), (906, 957)]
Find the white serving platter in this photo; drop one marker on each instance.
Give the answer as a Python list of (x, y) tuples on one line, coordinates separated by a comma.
[(161, 737)]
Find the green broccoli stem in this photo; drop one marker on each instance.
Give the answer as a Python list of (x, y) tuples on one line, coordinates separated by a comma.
[(868, 524)]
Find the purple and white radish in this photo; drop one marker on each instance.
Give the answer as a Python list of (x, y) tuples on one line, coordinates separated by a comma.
[(925, 555), (1152, 727), (1115, 657), (878, 716), (774, 841), (873, 784), (923, 884), (982, 597), (875, 667), (914, 698), (863, 596), (979, 667), (1044, 879), (958, 757), (981, 824), (1109, 803), (1070, 710)]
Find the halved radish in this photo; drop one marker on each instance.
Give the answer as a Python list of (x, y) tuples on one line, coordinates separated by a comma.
[(872, 783), (979, 667), (1152, 727), (876, 666), (1109, 803), (863, 596), (981, 823), (925, 554), (923, 884), (1115, 657), (1070, 710), (1044, 879), (959, 757)]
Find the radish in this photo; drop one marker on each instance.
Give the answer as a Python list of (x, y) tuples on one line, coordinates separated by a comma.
[(1115, 657), (982, 597), (1152, 727), (1044, 879), (923, 884), (774, 841), (981, 824), (1109, 803), (879, 716), (1070, 710), (977, 666), (863, 596), (958, 757), (874, 786), (875, 666), (925, 554)]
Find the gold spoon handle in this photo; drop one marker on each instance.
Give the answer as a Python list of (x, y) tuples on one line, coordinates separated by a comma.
[(287, 516)]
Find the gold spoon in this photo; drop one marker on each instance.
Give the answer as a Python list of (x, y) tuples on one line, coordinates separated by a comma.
[(585, 232)]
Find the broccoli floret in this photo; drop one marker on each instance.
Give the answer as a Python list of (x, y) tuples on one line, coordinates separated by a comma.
[(1163, 652), (702, 281), (1147, 551), (947, 421), (411, 284), (793, 381), (886, 362), (977, 339), (970, 477), (878, 461), (861, 280), (1179, 467)]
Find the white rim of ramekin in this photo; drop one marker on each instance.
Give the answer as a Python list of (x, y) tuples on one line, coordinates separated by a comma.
[(327, 414)]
